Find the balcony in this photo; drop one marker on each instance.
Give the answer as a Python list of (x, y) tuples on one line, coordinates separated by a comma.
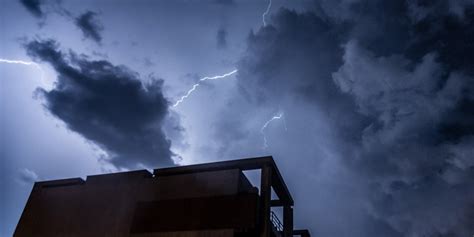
[(277, 226)]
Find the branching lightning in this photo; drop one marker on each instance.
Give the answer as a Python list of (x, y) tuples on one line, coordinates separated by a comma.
[(265, 125), (27, 63), (194, 87), (266, 12)]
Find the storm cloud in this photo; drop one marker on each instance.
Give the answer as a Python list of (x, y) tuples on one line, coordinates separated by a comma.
[(385, 89), (376, 97), (90, 26), (33, 6), (418, 183), (108, 105)]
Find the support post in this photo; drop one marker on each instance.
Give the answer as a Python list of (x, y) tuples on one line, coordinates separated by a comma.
[(287, 221), (265, 195)]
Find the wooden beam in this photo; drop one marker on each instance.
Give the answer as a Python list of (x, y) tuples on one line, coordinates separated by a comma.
[(280, 187), (276, 203), (287, 221), (265, 195), (242, 164)]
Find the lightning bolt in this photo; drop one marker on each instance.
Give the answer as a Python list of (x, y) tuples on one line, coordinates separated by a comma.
[(265, 125), (195, 86), (27, 63), (266, 12)]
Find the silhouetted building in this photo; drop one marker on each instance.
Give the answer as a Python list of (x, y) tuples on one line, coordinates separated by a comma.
[(206, 200)]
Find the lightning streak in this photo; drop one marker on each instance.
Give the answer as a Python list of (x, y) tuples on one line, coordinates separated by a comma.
[(27, 63), (266, 12), (262, 130), (195, 86)]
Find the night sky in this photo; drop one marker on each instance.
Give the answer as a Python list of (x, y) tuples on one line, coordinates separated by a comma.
[(366, 106)]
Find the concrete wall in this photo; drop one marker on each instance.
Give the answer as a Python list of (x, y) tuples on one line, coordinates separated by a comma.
[(105, 205)]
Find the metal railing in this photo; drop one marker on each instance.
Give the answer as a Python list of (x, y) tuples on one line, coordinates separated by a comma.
[(275, 221)]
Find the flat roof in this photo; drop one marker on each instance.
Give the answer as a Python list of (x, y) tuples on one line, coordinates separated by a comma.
[(278, 184)]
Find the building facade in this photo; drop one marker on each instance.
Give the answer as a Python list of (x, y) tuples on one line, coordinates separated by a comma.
[(205, 200)]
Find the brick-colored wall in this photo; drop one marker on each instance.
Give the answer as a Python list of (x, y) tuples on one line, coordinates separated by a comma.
[(104, 205)]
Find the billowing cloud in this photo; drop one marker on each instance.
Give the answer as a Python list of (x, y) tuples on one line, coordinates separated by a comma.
[(378, 99), (33, 6), (406, 152), (108, 105), (90, 26)]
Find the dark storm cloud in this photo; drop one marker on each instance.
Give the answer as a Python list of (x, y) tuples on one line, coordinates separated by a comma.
[(394, 83), (311, 38), (33, 6), (405, 152), (107, 105), (294, 58), (90, 26), (221, 38)]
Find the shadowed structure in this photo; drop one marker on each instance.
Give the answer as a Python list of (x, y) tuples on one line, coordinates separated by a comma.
[(214, 199)]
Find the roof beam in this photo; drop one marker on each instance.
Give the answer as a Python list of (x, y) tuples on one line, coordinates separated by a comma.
[(278, 183)]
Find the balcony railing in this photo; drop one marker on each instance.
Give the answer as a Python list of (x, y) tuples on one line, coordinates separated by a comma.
[(276, 222)]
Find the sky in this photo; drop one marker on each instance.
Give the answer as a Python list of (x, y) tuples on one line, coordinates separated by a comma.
[(366, 106)]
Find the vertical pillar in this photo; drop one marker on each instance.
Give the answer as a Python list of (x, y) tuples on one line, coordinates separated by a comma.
[(265, 198), (287, 221)]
